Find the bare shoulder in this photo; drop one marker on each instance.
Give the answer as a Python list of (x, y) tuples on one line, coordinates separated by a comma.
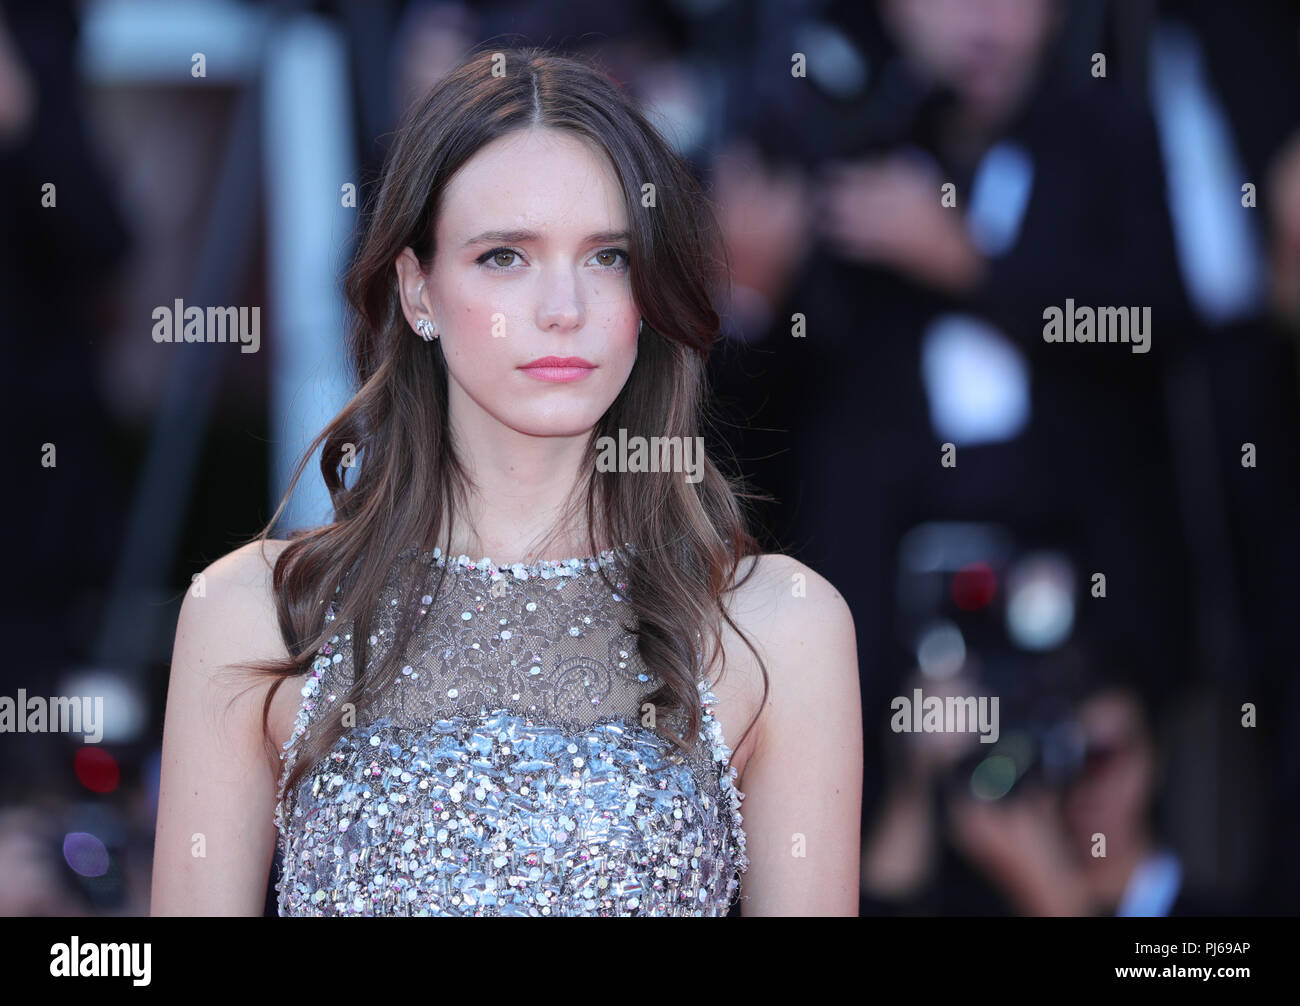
[(217, 778), (803, 776), (239, 586), (781, 583), (788, 605), (229, 618), (802, 628), (248, 568)]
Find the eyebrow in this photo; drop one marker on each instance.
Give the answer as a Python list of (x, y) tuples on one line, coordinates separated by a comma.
[(521, 236)]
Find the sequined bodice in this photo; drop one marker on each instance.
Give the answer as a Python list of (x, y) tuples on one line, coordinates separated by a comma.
[(510, 769)]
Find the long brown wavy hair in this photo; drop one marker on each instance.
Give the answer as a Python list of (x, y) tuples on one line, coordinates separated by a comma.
[(689, 538)]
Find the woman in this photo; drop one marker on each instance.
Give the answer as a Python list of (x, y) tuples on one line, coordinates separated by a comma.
[(531, 737)]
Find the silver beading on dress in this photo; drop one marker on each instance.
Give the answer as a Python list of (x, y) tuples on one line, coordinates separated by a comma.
[(510, 770)]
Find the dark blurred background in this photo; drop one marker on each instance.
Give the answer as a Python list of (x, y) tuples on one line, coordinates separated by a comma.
[(1108, 543)]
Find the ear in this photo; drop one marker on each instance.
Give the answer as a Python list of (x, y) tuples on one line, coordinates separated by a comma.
[(413, 288)]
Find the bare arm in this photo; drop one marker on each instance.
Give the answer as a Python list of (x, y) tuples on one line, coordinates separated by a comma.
[(215, 838), (803, 783)]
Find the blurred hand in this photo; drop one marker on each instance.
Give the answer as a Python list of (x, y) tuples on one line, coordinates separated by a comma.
[(1284, 205), (764, 217), (1022, 847), (430, 41), (29, 883), (887, 212), (17, 92), (926, 757)]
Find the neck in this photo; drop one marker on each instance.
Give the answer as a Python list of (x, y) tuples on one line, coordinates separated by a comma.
[(520, 487)]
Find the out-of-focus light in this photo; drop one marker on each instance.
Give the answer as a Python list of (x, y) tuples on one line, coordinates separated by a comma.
[(973, 586), (85, 853), (941, 650), (1017, 745), (123, 706), (938, 546), (1040, 601), (999, 196), (96, 769), (993, 778), (672, 100), (976, 382), (835, 63), (138, 41)]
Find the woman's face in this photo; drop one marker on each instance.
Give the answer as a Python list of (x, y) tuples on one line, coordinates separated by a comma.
[(530, 262)]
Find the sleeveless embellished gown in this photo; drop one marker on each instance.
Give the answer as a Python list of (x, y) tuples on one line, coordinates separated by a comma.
[(508, 770)]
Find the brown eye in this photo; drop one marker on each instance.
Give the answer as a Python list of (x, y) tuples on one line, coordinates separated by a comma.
[(610, 258), (497, 257)]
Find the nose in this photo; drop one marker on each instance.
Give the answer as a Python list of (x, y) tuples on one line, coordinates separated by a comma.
[(560, 306)]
